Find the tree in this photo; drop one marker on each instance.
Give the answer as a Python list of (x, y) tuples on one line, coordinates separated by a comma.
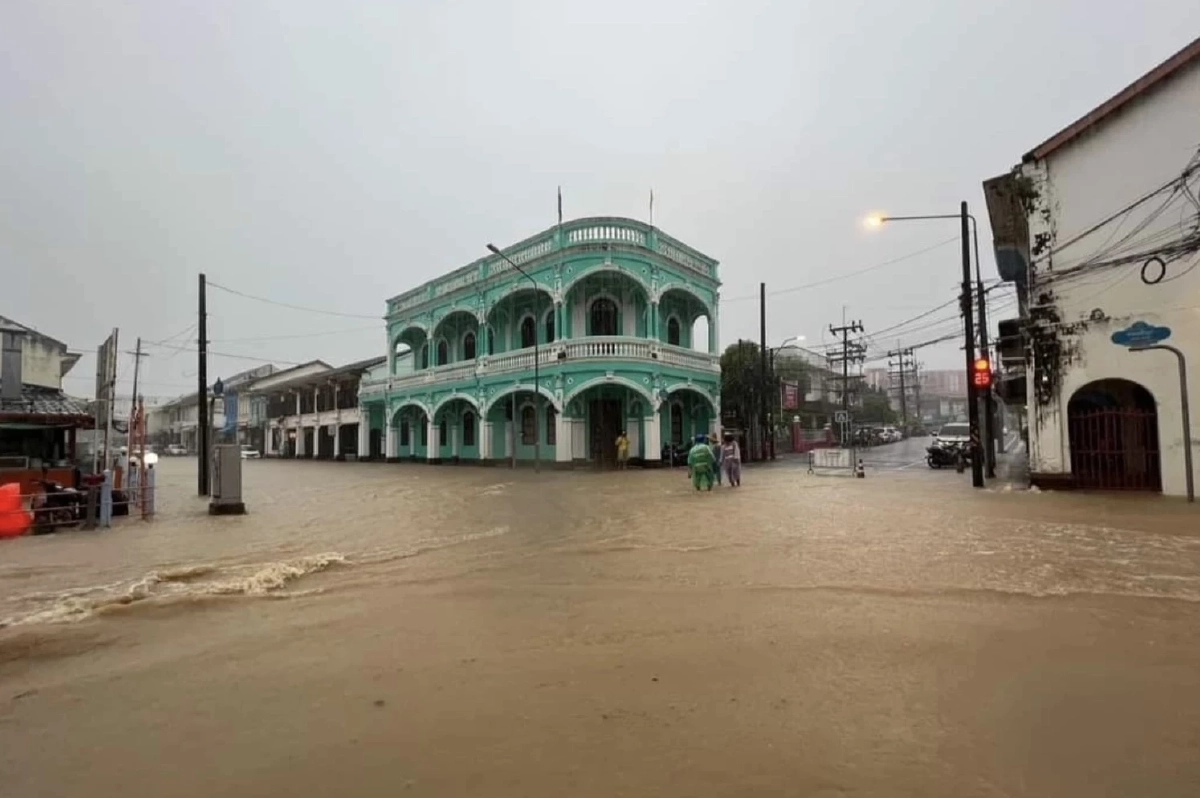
[(876, 407), (741, 381)]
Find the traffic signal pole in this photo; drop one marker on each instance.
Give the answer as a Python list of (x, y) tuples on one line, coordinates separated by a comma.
[(969, 335)]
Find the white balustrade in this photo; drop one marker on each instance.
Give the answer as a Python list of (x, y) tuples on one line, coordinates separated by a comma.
[(690, 358), (608, 347), (590, 348)]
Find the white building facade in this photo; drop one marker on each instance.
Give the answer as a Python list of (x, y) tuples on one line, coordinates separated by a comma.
[(312, 411), (1100, 228)]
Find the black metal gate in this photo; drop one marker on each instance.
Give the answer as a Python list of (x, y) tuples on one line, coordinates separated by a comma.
[(1115, 449)]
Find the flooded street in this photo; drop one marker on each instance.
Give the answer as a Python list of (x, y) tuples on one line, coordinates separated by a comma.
[(378, 629)]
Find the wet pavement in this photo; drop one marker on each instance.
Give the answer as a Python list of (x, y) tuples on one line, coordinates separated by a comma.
[(462, 631)]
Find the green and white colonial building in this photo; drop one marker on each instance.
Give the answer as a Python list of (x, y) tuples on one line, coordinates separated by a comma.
[(609, 306)]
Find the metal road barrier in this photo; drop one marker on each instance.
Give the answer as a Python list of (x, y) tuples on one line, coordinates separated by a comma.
[(834, 462)]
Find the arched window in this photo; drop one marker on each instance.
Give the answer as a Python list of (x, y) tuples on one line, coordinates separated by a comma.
[(604, 317), (469, 346), (528, 425), (404, 433), (673, 331), (468, 428), (425, 356), (528, 331), (550, 326), (443, 432), (551, 425), (443, 353)]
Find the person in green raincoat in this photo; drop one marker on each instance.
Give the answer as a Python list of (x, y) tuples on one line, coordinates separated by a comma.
[(701, 463)]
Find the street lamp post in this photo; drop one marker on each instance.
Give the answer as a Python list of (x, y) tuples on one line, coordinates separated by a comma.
[(775, 382), (969, 228), (1189, 476), (537, 384)]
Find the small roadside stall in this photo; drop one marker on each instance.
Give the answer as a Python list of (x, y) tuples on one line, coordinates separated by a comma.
[(38, 436)]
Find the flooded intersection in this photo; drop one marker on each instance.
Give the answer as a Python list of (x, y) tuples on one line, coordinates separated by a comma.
[(463, 631)]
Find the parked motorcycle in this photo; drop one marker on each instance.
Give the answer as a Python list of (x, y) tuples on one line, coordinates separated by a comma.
[(57, 508), (947, 455)]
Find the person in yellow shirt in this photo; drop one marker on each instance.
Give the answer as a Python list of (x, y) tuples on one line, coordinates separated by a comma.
[(622, 450)]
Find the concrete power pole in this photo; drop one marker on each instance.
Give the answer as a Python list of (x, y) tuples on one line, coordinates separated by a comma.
[(902, 368), (851, 352)]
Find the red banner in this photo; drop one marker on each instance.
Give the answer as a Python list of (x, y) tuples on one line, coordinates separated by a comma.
[(791, 395)]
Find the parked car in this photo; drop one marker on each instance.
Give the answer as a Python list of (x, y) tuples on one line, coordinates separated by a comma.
[(249, 452), (175, 450)]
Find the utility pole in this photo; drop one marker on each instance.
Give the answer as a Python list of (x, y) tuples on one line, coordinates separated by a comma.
[(852, 351), (969, 336), (989, 399), (138, 354), (765, 418), (903, 367), (202, 392), (916, 383)]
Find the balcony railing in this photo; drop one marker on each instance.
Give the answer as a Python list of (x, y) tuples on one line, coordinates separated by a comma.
[(551, 356), (598, 230)]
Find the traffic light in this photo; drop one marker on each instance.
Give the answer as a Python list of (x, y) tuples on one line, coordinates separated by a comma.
[(981, 374)]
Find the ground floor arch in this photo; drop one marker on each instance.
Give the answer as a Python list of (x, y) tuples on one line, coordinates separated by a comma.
[(457, 430), (1112, 432), (407, 434), (687, 412)]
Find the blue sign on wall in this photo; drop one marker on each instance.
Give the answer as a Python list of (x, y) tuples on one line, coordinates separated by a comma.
[(231, 412), (1141, 334)]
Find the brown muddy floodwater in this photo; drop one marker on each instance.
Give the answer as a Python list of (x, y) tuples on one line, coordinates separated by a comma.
[(384, 630)]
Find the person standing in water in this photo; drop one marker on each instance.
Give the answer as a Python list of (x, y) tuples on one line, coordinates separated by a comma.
[(731, 460), (622, 450), (700, 463), (715, 443)]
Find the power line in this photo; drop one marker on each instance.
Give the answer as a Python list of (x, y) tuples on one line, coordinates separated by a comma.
[(292, 337), (846, 276), (290, 306), (232, 355)]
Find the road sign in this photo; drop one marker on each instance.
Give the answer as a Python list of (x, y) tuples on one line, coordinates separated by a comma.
[(1141, 334), (841, 417)]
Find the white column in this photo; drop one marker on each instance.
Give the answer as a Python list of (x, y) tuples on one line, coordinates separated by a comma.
[(299, 448), (579, 438), (390, 441), (413, 434), (433, 450), (364, 432), (485, 440), (563, 439), (337, 439), (455, 437), (654, 435)]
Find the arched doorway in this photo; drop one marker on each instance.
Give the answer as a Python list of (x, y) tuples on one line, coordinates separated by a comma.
[(1113, 435)]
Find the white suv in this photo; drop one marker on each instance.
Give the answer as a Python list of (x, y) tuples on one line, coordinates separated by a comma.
[(249, 452), (954, 433)]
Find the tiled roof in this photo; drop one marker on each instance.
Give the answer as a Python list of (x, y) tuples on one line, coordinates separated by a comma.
[(38, 403), (352, 369)]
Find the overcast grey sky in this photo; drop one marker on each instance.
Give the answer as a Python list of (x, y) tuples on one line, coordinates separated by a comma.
[(333, 154)]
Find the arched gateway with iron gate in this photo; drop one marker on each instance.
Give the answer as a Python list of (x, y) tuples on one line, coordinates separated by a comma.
[(1113, 435)]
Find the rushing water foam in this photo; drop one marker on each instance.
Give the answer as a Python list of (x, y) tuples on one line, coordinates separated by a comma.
[(76, 604)]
